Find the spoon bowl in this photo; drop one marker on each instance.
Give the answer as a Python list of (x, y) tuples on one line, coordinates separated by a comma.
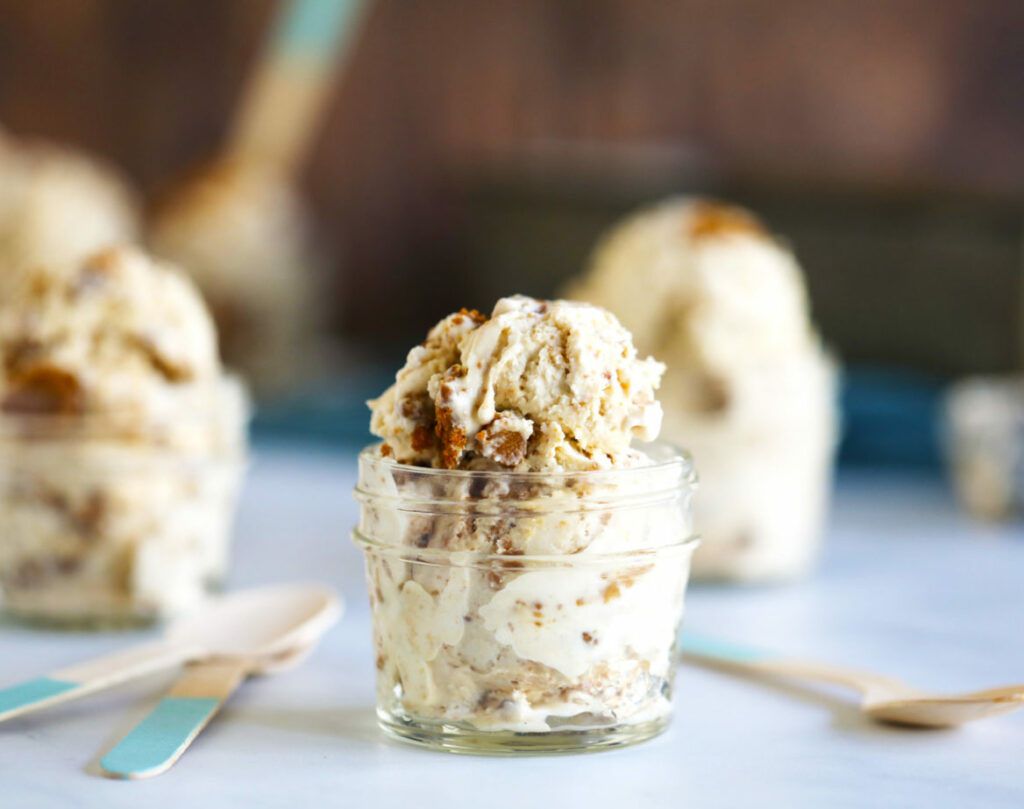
[(253, 629), (883, 698), (258, 623), (943, 710)]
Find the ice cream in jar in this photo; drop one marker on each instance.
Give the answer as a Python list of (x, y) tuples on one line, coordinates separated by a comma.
[(527, 547)]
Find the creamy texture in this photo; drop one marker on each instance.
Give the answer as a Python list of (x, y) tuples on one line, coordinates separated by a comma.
[(56, 207), (534, 409), (121, 442), (748, 388), (539, 385), (120, 338), (239, 229)]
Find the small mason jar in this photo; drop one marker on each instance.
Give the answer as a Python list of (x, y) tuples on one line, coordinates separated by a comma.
[(983, 439), (525, 612), (104, 526)]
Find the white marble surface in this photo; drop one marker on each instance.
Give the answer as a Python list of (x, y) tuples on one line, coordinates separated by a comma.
[(908, 586)]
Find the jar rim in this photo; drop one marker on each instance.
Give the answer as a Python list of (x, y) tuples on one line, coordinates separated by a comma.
[(228, 404), (665, 456)]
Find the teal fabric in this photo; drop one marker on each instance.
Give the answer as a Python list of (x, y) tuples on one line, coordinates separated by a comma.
[(18, 696), (723, 650), (312, 28), (158, 738)]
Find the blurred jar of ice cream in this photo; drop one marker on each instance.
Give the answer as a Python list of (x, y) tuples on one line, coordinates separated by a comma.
[(749, 389), (122, 444), (983, 432)]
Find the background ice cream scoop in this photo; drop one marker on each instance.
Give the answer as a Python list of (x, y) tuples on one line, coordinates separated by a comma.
[(120, 338), (748, 387), (57, 206)]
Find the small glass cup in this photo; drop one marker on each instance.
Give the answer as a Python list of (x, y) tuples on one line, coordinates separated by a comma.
[(101, 527), (983, 438), (518, 613)]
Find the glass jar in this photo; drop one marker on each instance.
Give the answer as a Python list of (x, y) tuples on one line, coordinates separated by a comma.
[(525, 612), (983, 439), (103, 526)]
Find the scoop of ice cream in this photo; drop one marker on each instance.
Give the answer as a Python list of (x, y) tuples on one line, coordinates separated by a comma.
[(539, 385), (749, 390), (239, 229), (702, 282), (56, 207), (120, 336)]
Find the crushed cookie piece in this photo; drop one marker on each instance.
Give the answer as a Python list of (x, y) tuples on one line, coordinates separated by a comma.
[(453, 438), (171, 371), (473, 315), (422, 438), (20, 352), (87, 519), (715, 219), (44, 390), (477, 487), (712, 394), (416, 408), (506, 439)]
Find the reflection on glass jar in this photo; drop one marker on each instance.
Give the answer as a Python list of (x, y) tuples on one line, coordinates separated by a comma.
[(525, 612)]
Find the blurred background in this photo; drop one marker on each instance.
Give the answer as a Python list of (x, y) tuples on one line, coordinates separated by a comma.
[(469, 150)]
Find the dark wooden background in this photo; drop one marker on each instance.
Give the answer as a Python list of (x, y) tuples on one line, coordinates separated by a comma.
[(875, 132)]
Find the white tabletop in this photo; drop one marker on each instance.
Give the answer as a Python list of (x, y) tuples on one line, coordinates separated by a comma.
[(908, 586)]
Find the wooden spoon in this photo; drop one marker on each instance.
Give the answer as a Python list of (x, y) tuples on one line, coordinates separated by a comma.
[(159, 740), (883, 698), (283, 102), (246, 628)]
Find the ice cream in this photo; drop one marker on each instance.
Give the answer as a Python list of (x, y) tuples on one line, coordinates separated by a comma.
[(748, 388), (121, 442), (239, 229), (526, 560), (538, 386), (56, 207)]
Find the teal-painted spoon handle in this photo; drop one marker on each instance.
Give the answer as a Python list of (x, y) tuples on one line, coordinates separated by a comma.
[(285, 96), (85, 678), (715, 653), (314, 29), (703, 647), (158, 741)]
